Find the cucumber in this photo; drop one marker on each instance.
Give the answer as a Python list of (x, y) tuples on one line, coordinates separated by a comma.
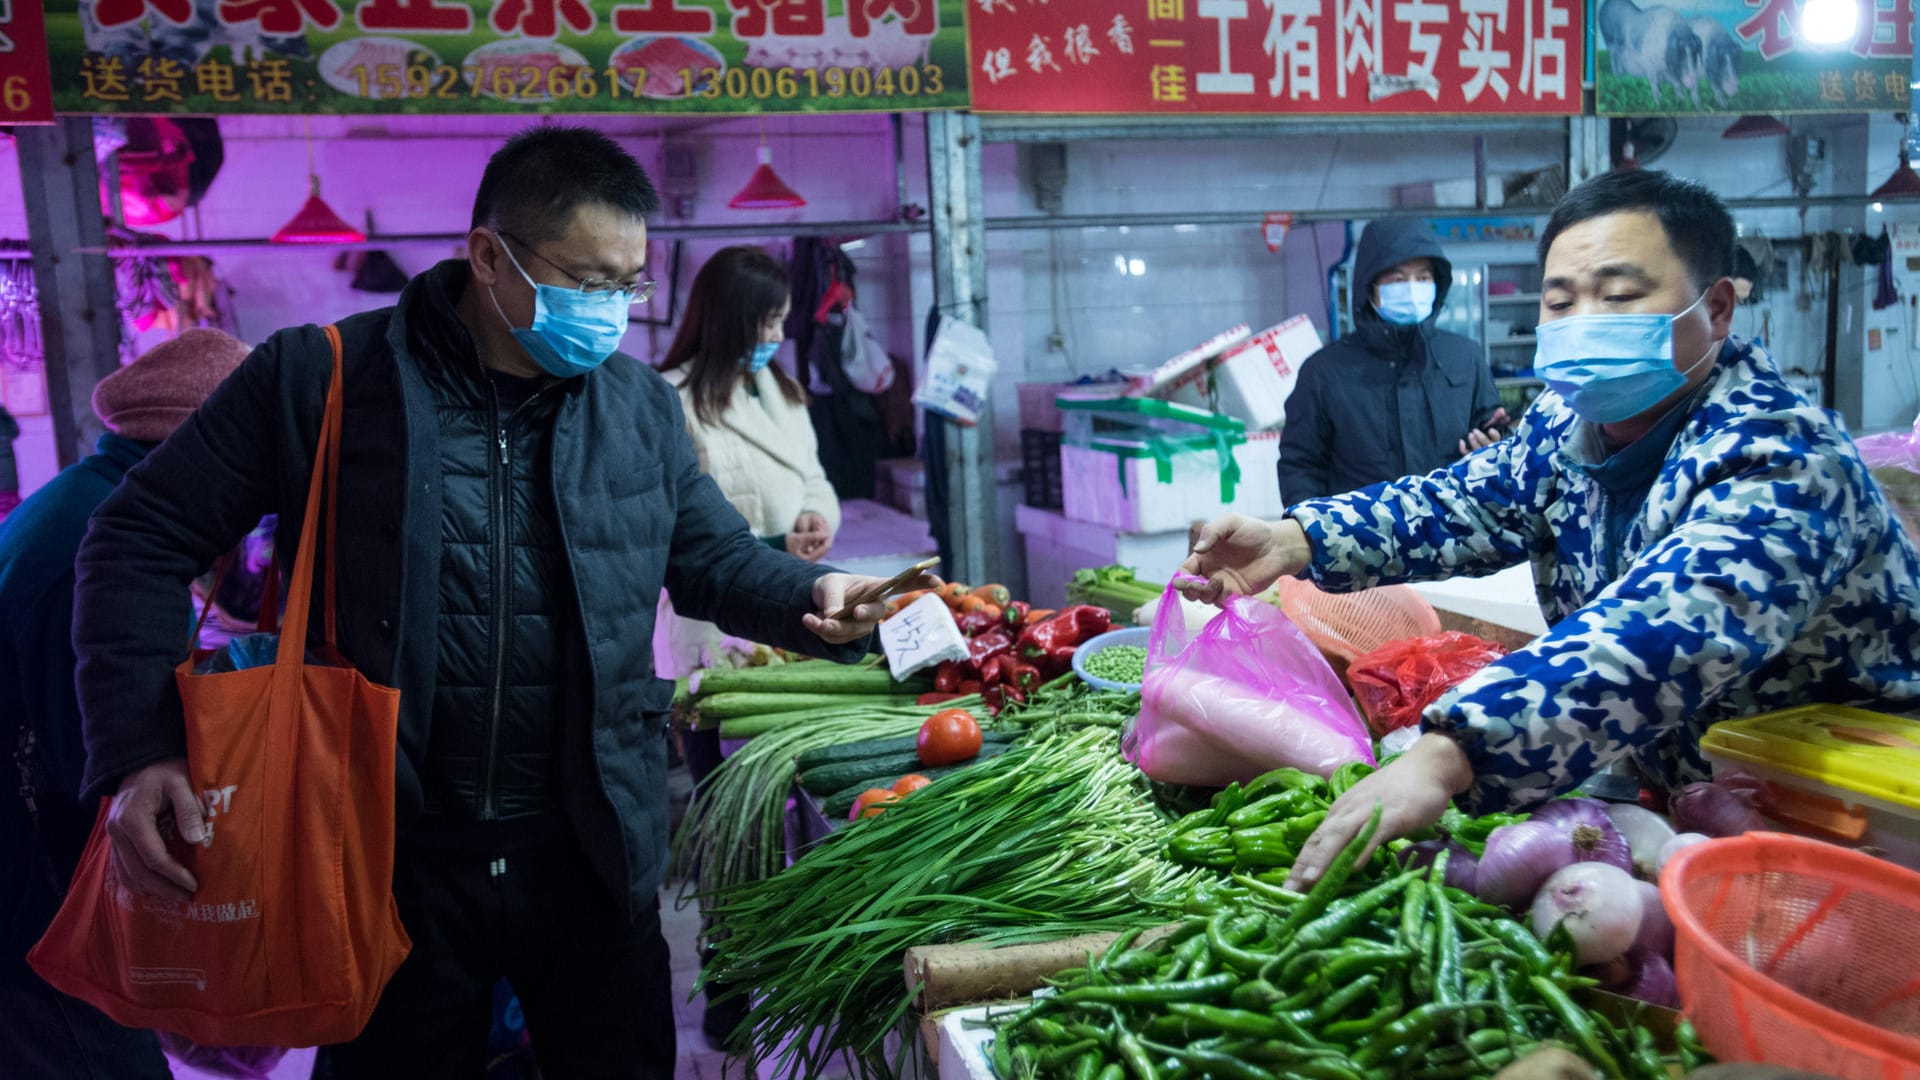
[(741, 703), (867, 748), (834, 776), (811, 677), (827, 779)]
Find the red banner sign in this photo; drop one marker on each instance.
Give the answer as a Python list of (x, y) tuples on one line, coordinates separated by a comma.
[(1277, 56), (26, 89)]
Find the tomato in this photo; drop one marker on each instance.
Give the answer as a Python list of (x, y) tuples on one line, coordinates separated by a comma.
[(871, 801), (909, 784), (948, 738)]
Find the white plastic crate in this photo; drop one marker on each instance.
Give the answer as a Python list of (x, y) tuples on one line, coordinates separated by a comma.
[(1120, 484)]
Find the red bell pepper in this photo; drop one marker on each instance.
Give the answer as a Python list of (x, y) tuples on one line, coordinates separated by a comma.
[(974, 623), (1066, 628), (1023, 675), (946, 677), (993, 697), (1016, 614), (993, 669), (971, 686), (990, 644)]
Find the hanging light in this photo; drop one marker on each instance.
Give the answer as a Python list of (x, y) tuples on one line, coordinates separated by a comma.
[(1903, 184), (316, 223), (1829, 22), (765, 190), (1755, 127)]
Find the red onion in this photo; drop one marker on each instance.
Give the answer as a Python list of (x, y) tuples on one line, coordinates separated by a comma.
[(1656, 929), (1594, 837), (1679, 841), (1649, 979), (1518, 859), (1645, 833), (1462, 867), (1717, 809), (1597, 903)]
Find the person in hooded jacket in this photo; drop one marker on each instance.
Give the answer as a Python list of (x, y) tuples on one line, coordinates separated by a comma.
[(44, 1034), (1397, 396)]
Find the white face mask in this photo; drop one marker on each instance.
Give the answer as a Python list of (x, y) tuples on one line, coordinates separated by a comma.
[(1404, 303)]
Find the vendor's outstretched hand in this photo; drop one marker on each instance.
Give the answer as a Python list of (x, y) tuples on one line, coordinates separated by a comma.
[(1239, 555), (831, 593), (1412, 792)]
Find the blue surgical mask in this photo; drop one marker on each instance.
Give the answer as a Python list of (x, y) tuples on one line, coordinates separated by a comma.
[(762, 356), (573, 332), (1610, 368), (1404, 303)]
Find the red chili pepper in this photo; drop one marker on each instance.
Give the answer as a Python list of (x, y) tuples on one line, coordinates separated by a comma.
[(971, 686), (974, 623), (1016, 614), (936, 698), (1023, 675), (993, 697), (946, 677), (990, 644), (1012, 693), (993, 670)]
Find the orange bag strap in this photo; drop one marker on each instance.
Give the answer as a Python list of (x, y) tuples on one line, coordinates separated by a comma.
[(325, 485)]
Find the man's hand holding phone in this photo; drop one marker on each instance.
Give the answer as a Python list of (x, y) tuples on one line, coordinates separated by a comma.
[(1486, 433)]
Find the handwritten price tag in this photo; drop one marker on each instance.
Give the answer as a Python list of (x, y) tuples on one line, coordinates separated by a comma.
[(921, 635)]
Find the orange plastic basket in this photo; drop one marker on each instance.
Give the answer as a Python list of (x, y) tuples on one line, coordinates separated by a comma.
[(1798, 953), (1348, 626)]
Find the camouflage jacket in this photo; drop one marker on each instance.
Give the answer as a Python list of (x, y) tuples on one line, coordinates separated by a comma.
[(1765, 570)]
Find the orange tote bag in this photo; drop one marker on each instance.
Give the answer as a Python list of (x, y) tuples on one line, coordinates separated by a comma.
[(293, 931)]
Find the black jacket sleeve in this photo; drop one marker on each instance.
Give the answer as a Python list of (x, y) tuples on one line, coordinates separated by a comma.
[(1486, 396), (194, 497), (1306, 439), (719, 571)]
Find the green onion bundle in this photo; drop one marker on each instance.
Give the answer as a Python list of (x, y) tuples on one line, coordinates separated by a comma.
[(1049, 840)]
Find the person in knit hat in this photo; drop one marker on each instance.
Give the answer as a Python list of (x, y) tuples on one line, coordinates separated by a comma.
[(44, 1033)]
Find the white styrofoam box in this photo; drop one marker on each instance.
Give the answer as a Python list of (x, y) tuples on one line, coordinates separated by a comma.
[(1057, 546), (1092, 488), (1184, 378), (1084, 421), (1255, 378)]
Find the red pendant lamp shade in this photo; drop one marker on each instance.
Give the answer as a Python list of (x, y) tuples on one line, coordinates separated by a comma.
[(765, 190), (1755, 127), (316, 223), (1903, 184)]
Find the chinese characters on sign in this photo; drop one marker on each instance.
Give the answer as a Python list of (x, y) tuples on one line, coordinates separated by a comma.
[(1275, 56), (26, 92), (506, 55), (1752, 58)]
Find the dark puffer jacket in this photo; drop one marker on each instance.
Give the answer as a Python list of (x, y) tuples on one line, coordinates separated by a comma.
[(1384, 401), (634, 513)]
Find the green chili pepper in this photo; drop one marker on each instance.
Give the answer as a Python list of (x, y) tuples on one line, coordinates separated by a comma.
[(1447, 989), (1223, 936), (1284, 779), (1510, 1019), (1058, 1056), (1045, 1030), (1490, 1062), (1693, 1054), (1339, 1001), (1577, 1022), (1230, 798), (1111, 1071), (1343, 915), (1346, 776), (1213, 1064), (1086, 1065), (1189, 951), (1149, 993), (1232, 1021), (1134, 1055), (1002, 1057), (1348, 1032), (1413, 914), (1299, 828), (1416, 1025), (1270, 808), (1334, 879), (1026, 1062), (1255, 994), (1521, 940)]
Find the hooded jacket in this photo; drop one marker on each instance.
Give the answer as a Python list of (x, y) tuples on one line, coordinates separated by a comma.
[(1384, 401), (633, 514), (1764, 570)]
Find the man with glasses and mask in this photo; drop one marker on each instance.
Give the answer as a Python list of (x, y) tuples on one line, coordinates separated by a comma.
[(514, 496), (1706, 541)]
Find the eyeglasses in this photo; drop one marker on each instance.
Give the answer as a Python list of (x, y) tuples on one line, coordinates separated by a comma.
[(636, 292)]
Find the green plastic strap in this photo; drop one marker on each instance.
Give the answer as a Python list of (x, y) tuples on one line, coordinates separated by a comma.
[(1229, 466)]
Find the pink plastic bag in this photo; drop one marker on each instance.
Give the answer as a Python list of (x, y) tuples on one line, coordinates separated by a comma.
[(1241, 697)]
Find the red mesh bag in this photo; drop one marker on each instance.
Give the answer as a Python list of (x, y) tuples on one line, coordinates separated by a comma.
[(1397, 681)]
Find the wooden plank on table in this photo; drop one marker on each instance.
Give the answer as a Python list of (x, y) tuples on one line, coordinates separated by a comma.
[(942, 975), (1504, 636)]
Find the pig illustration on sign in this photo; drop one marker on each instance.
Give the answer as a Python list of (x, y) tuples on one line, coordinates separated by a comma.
[(188, 43), (1654, 43), (1720, 59)]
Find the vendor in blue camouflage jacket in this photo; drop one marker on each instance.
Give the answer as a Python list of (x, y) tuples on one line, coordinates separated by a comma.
[(1706, 541)]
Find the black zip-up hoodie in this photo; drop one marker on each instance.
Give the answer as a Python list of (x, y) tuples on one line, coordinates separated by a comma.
[(1384, 401)]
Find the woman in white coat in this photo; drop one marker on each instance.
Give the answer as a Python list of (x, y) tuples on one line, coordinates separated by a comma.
[(749, 423)]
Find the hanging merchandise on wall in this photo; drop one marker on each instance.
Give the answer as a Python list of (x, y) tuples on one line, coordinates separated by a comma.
[(564, 56), (1278, 56), (960, 367), (1750, 56)]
